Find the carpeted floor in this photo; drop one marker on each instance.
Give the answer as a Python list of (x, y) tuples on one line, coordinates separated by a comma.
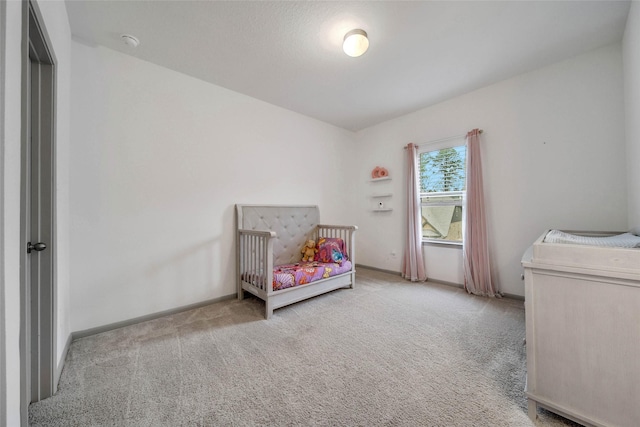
[(388, 352)]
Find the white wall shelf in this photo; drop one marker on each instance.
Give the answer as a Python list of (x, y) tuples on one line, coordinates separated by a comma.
[(379, 200)]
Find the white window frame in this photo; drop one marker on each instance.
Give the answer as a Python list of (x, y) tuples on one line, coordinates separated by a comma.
[(427, 148)]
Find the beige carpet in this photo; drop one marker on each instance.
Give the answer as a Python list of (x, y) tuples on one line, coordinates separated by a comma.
[(386, 353)]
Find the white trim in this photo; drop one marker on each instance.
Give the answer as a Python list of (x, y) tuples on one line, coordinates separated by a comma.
[(3, 347), (439, 144), (62, 360), (437, 141), (441, 242), (48, 317)]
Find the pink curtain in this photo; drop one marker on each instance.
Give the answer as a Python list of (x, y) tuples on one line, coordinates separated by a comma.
[(412, 262), (477, 272)]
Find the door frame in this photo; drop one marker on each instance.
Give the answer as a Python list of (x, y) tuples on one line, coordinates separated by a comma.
[(3, 337), (36, 43)]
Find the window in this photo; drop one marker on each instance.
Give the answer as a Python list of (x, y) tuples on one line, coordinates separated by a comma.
[(442, 189)]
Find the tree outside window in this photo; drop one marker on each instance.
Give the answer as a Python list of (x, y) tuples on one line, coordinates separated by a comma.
[(442, 187)]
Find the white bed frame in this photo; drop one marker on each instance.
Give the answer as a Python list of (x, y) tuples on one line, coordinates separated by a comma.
[(269, 235)]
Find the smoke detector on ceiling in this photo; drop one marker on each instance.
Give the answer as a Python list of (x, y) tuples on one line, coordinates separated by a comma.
[(130, 40)]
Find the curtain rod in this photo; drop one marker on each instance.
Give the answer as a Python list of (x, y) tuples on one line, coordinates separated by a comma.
[(435, 141)]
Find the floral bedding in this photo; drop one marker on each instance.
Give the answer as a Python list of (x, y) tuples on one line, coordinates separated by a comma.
[(331, 259), (290, 275)]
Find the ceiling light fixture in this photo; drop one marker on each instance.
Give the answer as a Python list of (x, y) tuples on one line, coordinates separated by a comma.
[(130, 40), (355, 43)]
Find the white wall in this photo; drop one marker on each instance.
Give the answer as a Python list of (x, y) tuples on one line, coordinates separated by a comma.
[(553, 155), (158, 160), (631, 52), (57, 28)]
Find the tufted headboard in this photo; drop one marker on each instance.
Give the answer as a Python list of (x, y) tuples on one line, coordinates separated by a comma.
[(293, 226)]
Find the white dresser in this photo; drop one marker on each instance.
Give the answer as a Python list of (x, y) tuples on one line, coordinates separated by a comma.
[(583, 332)]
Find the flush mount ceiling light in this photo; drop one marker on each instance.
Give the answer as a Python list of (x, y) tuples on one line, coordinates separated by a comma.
[(355, 43), (130, 40)]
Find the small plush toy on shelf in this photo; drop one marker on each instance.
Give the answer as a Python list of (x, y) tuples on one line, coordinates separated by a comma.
[(309, 251)]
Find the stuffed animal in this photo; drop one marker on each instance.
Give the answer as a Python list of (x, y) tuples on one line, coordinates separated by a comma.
[(309, 251)]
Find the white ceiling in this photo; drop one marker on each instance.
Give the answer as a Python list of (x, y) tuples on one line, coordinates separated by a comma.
[(288, 53)]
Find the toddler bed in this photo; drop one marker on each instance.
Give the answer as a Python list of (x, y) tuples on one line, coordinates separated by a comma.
[(269, 242)]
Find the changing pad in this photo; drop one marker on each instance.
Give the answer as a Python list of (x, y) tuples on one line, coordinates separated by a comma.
[(625, 240)]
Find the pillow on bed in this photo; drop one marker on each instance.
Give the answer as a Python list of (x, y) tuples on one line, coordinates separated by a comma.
[(331, 249)]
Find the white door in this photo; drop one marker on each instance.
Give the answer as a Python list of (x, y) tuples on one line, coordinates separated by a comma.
[(38, 190)]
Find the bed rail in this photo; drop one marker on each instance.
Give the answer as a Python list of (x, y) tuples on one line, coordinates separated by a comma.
[(255, 261)]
